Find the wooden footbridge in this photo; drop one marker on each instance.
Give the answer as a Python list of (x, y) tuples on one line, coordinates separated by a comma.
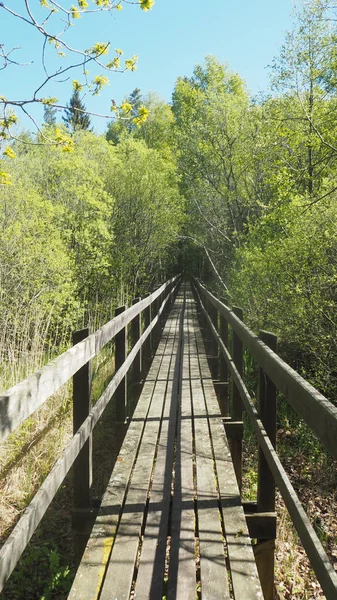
[(171, 523)]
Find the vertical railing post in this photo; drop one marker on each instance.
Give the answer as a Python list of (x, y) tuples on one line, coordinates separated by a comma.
[(236, 443), (120, 356), (208, 333), (147, 348), (157, 328), (223, 369), (266, 484), (82, 470), (213, 313), (136, 331)]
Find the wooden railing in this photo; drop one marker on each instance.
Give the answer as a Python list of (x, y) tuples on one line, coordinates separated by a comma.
[(274, 374), (24, 399)]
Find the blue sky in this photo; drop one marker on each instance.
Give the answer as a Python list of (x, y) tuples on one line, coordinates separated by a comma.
[(169, 40)]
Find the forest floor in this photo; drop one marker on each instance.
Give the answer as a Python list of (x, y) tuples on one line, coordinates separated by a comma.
[(314, 477)]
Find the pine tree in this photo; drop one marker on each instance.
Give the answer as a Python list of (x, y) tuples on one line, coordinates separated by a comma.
[(49, 114), (75, 116)]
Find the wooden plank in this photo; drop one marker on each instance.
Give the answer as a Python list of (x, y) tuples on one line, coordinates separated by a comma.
[(120, 572), (182, 567), (92, 570), (213, 569), (117, 583), (245, 581), (151, 570)]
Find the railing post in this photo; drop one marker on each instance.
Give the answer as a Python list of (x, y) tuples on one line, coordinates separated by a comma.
[(82, 470), (213, 313), (208, 334), (266, 484), (120, 356), (156, 330), (136, 331), (147, 348), (236, 444), (223, 369)]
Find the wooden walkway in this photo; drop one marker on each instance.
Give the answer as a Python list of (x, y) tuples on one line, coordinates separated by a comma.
[(171, 524)]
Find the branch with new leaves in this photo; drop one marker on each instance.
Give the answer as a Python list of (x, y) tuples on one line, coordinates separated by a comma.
[(52, 21)]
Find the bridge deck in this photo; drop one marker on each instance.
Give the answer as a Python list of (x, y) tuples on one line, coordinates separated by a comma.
[(171, 522)]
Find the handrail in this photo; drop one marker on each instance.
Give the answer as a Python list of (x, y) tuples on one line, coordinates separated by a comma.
[(21, 400), (315, 409), (289, 383), (79, 355)]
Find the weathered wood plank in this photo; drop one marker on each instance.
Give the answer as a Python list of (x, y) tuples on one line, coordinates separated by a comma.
[(182, 567), (214, 581), (120, 572), (213, 569), (151, 570), (117, 583), (245, 581), (90, 576)]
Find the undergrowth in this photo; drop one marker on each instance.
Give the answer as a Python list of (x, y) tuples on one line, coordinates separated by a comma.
[(46, 569)]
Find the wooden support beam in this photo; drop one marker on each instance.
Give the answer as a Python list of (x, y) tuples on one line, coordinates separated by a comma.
[(261, 526), (264, 555), (223, 369), (136, 332), (120, 356), (265, 551), (147, 347), (267, 411), (234, 429), (82, 470), (237, 355), (213, 313)]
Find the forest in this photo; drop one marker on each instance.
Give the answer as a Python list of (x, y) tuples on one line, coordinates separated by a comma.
[(239, 191)]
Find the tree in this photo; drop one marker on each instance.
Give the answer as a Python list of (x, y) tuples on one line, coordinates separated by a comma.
[(130, 107), (52, 21), (284, 276), (157, 130), (38, 284), (304, 112), (76, 117), (215, 126), (75, 183), (146, 217), (49, 114)]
